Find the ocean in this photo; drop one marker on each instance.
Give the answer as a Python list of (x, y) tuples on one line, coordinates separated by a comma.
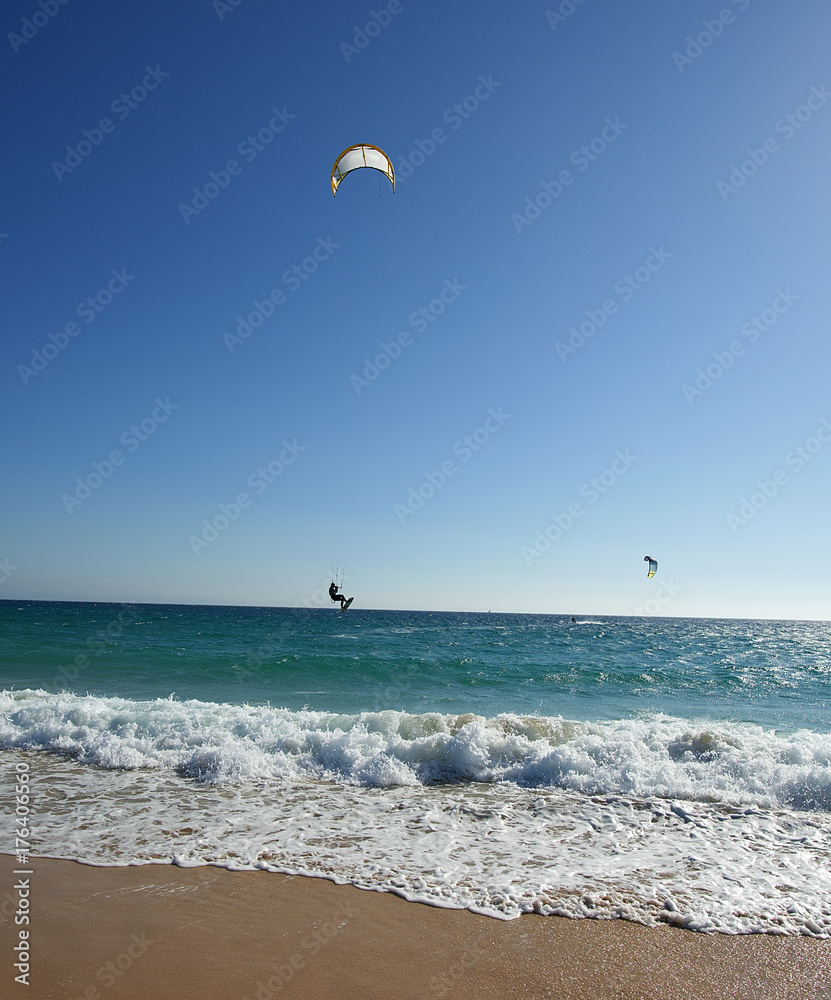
[(659, 770)]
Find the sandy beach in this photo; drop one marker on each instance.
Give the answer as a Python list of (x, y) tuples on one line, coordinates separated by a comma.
[(158, 931)]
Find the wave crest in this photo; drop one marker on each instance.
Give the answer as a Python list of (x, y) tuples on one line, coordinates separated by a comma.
[(210, 743)]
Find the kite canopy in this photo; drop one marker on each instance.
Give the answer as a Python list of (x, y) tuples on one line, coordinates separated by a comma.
[(362, 155), (653, 566)]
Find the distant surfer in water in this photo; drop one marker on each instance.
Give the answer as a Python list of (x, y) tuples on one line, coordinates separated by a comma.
[(573, 618), (333, 593)]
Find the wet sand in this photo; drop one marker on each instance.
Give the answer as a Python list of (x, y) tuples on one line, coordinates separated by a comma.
[(157, 931)]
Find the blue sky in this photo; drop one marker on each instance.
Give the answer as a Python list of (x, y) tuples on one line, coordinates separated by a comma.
[(657, 172)]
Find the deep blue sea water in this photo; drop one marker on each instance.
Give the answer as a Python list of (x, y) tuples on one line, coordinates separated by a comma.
[(612, 766)]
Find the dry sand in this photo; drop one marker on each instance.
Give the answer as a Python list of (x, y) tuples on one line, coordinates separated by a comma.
[(158, 931)]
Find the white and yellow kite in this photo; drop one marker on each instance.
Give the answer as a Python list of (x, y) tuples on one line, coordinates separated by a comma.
[(362, 155)]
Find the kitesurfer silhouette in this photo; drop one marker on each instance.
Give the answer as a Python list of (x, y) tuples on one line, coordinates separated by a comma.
[(333, 593)]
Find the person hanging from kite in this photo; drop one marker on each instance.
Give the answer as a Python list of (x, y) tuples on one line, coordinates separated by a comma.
[(333, 593)]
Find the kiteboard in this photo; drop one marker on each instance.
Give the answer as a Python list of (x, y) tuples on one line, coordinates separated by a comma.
[(351, 599)]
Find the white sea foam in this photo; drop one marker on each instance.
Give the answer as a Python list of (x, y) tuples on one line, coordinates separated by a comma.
[(651, 819), (220, 743)]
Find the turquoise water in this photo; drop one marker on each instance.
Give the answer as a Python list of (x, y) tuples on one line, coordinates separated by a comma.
[(775, 674), (657, 770)]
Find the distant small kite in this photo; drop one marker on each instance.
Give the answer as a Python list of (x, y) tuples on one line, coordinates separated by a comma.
[(653, 566), (362, 155)]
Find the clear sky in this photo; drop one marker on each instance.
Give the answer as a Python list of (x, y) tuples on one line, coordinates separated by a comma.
[(602, 280)]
